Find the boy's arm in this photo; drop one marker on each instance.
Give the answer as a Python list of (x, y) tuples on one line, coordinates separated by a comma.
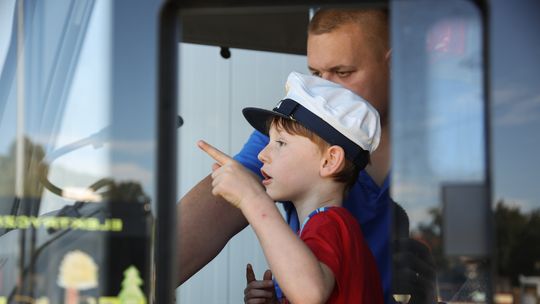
[(300, 275)]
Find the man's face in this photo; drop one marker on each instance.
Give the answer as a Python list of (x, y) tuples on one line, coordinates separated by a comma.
[(345, 56)]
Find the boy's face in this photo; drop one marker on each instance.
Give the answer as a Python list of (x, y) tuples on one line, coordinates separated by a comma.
[(290, 165)]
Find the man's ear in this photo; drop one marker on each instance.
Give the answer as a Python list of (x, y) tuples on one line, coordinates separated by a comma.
[(388, 54), (333, 161), (388, 58)]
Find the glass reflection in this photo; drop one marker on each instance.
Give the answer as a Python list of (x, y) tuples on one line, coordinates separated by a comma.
[(80, 225), (516, 146), (438, 142)]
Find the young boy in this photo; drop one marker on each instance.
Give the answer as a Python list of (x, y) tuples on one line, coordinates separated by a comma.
[(321, 135)]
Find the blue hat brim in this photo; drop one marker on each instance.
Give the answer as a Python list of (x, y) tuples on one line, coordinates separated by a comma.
[(258, 118)]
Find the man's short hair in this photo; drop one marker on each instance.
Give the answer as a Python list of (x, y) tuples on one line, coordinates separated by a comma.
[(373, 22)]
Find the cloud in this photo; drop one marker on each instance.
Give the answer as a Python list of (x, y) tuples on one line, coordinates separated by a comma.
[(515, 107), (135, 146), (132, 172), (416, 194), (416, 198)]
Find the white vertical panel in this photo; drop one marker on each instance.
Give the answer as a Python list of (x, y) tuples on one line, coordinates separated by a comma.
[(205, 108), (213, 93)]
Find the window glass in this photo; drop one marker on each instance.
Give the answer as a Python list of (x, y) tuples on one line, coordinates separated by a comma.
[(77, 150), (515, 119), (438, 143)]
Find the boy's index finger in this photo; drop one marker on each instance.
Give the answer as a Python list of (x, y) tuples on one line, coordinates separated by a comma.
[(220, 157)]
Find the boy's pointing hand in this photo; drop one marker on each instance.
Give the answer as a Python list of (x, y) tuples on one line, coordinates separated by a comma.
[(220, 157), (230, 179)]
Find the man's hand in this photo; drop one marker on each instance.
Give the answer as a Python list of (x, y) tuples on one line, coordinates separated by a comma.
[(230, 179), (414, 271), (261, 292)]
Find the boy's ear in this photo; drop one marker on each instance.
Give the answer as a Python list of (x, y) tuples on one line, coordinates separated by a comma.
[(333, 161)]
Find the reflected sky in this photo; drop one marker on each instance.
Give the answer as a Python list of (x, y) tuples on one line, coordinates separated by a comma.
[(455, 108), (88, 107), (437, 104), (85, 71), (7, 11), (515, 49), (438, 132)]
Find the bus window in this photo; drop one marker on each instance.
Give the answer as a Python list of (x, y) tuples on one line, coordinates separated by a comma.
[(77, 150), (515, 117), (438, 151)]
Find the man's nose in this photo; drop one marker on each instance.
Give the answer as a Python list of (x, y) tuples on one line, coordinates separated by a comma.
[(328, 76)]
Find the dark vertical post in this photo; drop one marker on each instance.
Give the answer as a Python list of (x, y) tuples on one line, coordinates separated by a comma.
[(486, 30), (166, 153)]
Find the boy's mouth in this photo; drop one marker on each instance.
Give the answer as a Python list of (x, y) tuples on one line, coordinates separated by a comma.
[(267, 179)]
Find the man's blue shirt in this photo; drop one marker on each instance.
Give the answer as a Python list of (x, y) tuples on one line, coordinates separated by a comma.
[(368, 202)]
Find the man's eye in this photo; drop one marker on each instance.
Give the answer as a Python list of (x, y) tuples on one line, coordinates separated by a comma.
[(316, 73), (343, 73)]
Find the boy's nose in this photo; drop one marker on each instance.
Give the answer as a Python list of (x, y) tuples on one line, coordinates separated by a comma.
[(263, 155)]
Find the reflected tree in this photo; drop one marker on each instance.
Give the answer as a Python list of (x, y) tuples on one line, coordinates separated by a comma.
[(517, 235), (122, 191), (518, 242), (431, 234), (35, 172), (33, 156)]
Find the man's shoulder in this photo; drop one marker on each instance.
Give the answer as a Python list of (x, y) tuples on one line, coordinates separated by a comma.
[(368, 184), (366, 193)]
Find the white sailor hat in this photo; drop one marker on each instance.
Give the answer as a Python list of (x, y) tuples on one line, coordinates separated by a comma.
[(331, 111)]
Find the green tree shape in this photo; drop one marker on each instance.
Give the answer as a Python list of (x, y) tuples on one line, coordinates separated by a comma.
[(131, 292)]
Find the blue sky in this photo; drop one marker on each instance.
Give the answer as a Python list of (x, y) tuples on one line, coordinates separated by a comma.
[(516, 102)]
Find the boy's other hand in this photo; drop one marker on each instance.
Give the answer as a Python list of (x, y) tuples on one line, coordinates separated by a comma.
[(230, 179), (257, 292)]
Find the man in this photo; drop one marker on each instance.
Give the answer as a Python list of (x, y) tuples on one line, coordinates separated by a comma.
[(349, 47), (321, 135)]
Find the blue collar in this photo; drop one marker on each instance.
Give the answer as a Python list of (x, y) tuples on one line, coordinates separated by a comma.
[(318, 210)]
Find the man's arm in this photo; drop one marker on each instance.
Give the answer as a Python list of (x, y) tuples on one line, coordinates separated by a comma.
[(206, 224)]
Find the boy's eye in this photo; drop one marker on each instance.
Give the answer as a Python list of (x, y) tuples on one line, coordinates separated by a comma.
[(280, 143)]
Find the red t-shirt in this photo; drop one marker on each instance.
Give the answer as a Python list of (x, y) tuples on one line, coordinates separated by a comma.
[(334, 236)]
